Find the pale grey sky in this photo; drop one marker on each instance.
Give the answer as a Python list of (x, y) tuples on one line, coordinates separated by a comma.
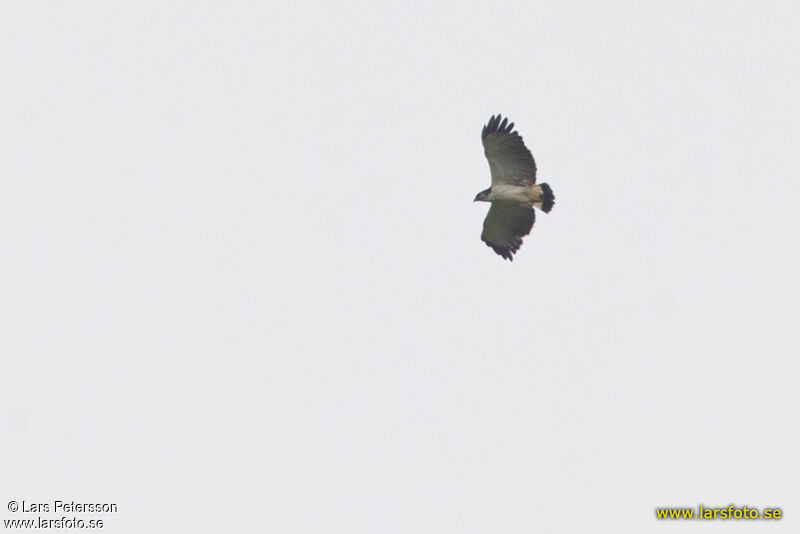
[(243, 287)]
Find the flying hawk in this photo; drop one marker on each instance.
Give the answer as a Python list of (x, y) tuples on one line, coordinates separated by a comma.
[(514, 190)]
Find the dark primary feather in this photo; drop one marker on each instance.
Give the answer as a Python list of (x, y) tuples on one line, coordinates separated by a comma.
[(505, 226), (495, 126), (510, 161)]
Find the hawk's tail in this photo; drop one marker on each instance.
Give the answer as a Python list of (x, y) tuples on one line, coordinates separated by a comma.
[(548, 198)]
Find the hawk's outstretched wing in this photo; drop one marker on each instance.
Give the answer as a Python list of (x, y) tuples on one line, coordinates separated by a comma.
[(510, 162), (505, 226)]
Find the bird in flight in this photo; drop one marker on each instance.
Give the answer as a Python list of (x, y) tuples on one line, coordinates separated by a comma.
[(514, 190)]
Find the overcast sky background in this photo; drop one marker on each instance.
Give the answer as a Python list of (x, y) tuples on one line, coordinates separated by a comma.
[(243, 287)]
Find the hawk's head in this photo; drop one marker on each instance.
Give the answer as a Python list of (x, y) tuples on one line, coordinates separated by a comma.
[(483, 195)]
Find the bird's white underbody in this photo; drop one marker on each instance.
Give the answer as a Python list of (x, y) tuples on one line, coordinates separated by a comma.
[(524, 194)]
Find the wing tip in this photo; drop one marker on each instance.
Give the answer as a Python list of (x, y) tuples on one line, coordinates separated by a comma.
[(497, 124), (506, 252)]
